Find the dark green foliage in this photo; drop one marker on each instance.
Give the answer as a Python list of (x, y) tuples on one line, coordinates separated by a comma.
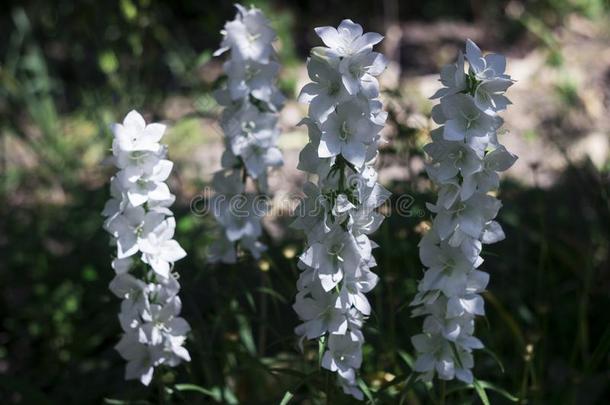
[(68, 68)]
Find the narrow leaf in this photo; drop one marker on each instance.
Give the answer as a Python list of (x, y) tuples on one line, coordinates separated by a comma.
[(365, 389), (287, 397), (495, 357), (214, 392), (501, 391), (600, 351), (481, 392), (273, 293)]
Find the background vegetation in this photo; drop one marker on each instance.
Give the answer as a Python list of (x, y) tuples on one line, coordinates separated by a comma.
[(70, 68)]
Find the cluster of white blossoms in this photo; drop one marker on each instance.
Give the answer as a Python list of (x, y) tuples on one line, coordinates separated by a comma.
[(465, 158), (142, 226), (249, 123), (339, 211)]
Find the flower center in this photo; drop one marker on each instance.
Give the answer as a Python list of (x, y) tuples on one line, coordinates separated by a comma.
[(253, 37), (335, 249), (248, 126), (137, 156), (344, 132), (470, 119), (333, 89), (251, 73)]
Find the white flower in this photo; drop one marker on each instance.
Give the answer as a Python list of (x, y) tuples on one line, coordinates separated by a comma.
[(338, 212), (348, 39), (313, 214), (453, 78), (135, 136), (249, 36), (436, 355), (140, 364), (249, 123), (258, 154), (464, 119), (350, 387), (121, 266), (450, 158), (142, 187), (447, 272), (247, 120), (489, 95), (347, 132), (344, 355), (486, 67), (336, 252), (470, 216), (317, 309), (222, 250), (158, 248), (251, 77), (130, 225), (116, 203), (238, 215), (465, 158), (126, 286), (309, 161), (354, 286), (488, 179), (365, 219), (361, 66), (489, 70), (326, 90), (139, 219), (161, 322)]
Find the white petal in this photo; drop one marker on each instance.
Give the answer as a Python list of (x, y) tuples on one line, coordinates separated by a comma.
[(135, 120)]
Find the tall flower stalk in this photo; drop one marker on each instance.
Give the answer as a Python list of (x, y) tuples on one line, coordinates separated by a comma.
[(338, 212), (249, 123), (465, 158), (142, 226)]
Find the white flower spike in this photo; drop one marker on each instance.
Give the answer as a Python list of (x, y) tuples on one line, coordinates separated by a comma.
[(338, 213), (465, 158), (249, 123), (138, 218)]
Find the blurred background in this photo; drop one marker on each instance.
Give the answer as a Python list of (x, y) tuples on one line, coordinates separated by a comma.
[(70, 68)]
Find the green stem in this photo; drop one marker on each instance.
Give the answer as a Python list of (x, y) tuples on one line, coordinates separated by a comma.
[(327, 388), (443, 393), (341, 168), (161, 386)]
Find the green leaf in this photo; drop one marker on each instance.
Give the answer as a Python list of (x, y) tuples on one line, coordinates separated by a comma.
[(321, 348), (481, 392), (273, 293), (287, 397), (245, 332), (496, 358), (108, 62), (203, 58), (365, 389), (214, 392), (229, 396), (288, 371), (489, 386), (129, 10), (407, 358)]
